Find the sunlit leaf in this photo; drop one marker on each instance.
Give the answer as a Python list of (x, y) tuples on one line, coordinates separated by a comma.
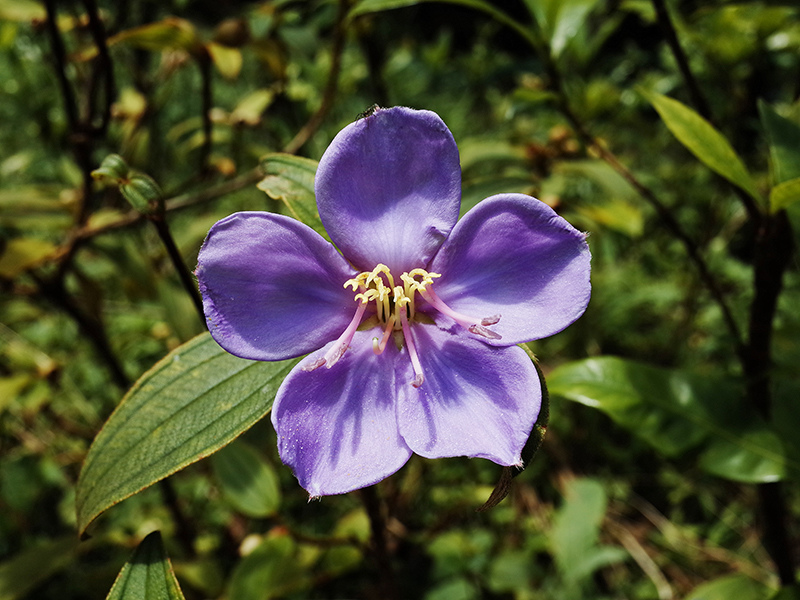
[(290, 179), (676, 411), (148, 574), (784, 144), (250, 108), (227, 60), (784, 194), (247, 480), (569, 18), (703, 140), (737, 461), (23, 11), (170, 34), (190, 404)]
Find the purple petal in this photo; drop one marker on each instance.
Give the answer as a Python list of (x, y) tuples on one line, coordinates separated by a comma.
[(337, 427), (476, 400), (389, 188), (272, 287), (512, 255)]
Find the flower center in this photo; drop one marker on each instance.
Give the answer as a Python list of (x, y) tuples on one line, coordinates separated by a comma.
[(395, 308)]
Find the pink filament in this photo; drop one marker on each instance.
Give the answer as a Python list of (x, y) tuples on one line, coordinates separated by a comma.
[(341, 345), (412, 351), (476, 326), (379, 348)]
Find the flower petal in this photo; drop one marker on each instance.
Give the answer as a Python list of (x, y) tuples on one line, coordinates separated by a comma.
[(476, 400), (512, 255), (389, 187), (337, 427), (272, 287)]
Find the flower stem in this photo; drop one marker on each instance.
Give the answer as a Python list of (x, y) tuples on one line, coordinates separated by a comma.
[(372, 505)]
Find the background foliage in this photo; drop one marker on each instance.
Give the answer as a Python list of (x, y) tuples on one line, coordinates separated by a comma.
[(670, 130)]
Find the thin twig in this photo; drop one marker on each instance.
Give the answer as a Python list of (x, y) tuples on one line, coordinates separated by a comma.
[(671, 37), (696, 95), (175, 257), (204, 62), (91, 327), (331, 86), (60, 55), (664, 214), (98, 32)]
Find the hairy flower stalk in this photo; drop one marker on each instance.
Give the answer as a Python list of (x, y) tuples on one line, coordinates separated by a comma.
[(414, 314)]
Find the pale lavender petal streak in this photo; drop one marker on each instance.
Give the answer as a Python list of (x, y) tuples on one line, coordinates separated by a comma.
[(337, 427), (389, 187), (476, 400), (272, 287), (512, 255)]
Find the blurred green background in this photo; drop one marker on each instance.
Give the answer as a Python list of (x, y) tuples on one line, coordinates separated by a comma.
[(666, 469)]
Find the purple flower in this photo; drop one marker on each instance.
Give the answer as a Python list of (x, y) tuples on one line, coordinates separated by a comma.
[(412, 324)]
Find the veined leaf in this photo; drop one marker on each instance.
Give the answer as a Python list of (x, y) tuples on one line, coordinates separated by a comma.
[(190, 404), (675, 411), (148, 574), (290, 179), (703, 140)]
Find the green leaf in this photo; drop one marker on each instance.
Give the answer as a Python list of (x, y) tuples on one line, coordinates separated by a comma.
[(784, 144), (247, 480), (249, 109), (227, 60), (576, 531), (25, 571), (676, 411), (569, 18), (736, 460), (740, 587), (271, 570), (703, 140), (189, 405), (169, 34), (290, 179), (148, 574), (784, 194)]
